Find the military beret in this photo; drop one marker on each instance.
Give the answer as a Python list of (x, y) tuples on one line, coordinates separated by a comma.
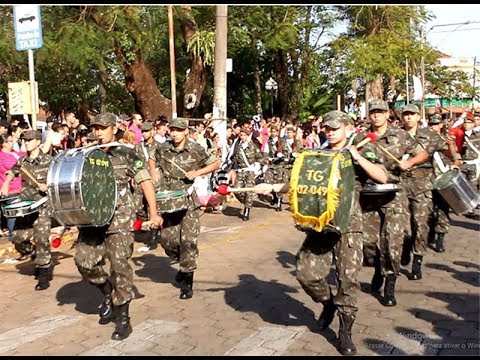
[(105, 119), (377, 104), (411, 108), (335, 118), (31, 135)]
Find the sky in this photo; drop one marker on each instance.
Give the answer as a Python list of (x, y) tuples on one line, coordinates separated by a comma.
[(455, 40)]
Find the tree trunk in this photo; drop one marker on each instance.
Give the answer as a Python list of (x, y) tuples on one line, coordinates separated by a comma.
[(149, 101), (199, 73), (376, 89), (258, 86)]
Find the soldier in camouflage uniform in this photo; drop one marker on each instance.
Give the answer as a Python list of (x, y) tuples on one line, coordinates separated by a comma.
[(440, 221), (35, 226), (179, 161), (471, 154), (249, 160), (276, 171), (386, 215), (418, 182), (143, 149), (319, 249), (293, 148), (114, 241)]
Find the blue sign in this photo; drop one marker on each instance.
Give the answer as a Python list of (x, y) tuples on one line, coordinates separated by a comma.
[(27, 23)]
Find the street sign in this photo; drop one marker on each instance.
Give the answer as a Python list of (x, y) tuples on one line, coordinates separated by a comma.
[(27, 23), (19, 98)]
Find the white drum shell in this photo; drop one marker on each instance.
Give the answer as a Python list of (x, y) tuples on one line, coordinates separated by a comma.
[(459, 193)]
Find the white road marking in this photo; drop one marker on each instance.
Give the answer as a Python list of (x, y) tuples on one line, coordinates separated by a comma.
[(271, 340), (227, 229), (145, 336), (37, 329)]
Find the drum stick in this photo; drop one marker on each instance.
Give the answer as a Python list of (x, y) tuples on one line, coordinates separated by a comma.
[(30, 175), (178, 167), (389, 153), (225, 190)]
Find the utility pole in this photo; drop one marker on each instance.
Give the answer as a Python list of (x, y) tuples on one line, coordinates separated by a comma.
[(407, 85), (172, 61), (474, 81), (422, 71), (220, 77)]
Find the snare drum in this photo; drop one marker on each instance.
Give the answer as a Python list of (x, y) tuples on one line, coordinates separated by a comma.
[(170, 201), (81, 184), (457, 191), (19, 209)]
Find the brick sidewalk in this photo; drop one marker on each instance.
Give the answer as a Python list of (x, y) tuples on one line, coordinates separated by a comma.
[(246, 300)]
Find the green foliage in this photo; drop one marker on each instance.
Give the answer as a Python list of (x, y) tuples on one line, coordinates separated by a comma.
[(203, 45)]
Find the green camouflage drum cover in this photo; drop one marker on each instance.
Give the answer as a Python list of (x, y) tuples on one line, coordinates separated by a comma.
[(98, 187), (169, 201), (321, 189)]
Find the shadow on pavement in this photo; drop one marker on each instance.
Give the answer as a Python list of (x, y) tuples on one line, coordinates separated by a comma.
[(86, 297), (467, 224), (156, 268), (468, 277), (444, 341), (272, 302)]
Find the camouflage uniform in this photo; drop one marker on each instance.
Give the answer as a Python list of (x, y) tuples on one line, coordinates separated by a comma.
[(418, 182), (470, 170), (289, 159), (318, 251), (440, 221), (276, 172), (245, 173), (386, 216), (181, 228), (113, 241), (35, 226)]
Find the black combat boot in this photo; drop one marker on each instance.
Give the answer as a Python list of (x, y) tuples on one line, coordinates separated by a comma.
[(389, 291), (416, 267), (123, 328), (106, 309), (44, 277), (186, 291), (439, 243), (179, 276), (274, 199), (279, 204), (246, 214), (346, 346), (377, 279), (328, 312)]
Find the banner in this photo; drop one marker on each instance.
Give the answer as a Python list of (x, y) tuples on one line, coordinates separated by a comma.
[(417, 88)]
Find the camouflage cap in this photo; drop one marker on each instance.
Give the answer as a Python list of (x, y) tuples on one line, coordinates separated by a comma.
[(412, 108), (377, 104), (105, 119), (146, 126), (178, 123), (435, 119), (31, 135), (334, 119)]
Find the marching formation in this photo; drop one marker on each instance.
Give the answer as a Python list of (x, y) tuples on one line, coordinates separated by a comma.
[(363, 192)]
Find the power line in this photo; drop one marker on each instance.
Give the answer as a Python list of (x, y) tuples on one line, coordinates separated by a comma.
[(449, 31)]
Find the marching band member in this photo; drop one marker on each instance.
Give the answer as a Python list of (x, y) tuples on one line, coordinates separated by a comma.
[(314, 258)]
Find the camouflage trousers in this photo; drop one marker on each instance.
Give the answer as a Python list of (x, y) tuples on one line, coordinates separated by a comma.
[(94, 247), (245, 179), (179, 236), (276, 174), (440, 222), (314, 260), (421, 207), (34, 227), (387, 227)]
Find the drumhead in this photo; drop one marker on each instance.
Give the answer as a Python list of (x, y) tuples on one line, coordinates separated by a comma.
[(169, 194), (9, 197), (99, 189), (19, 204)]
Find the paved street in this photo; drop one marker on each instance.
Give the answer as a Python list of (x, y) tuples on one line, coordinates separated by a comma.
[(246, 300)]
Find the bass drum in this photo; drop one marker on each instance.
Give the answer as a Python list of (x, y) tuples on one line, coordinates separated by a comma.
[(81, 184)]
